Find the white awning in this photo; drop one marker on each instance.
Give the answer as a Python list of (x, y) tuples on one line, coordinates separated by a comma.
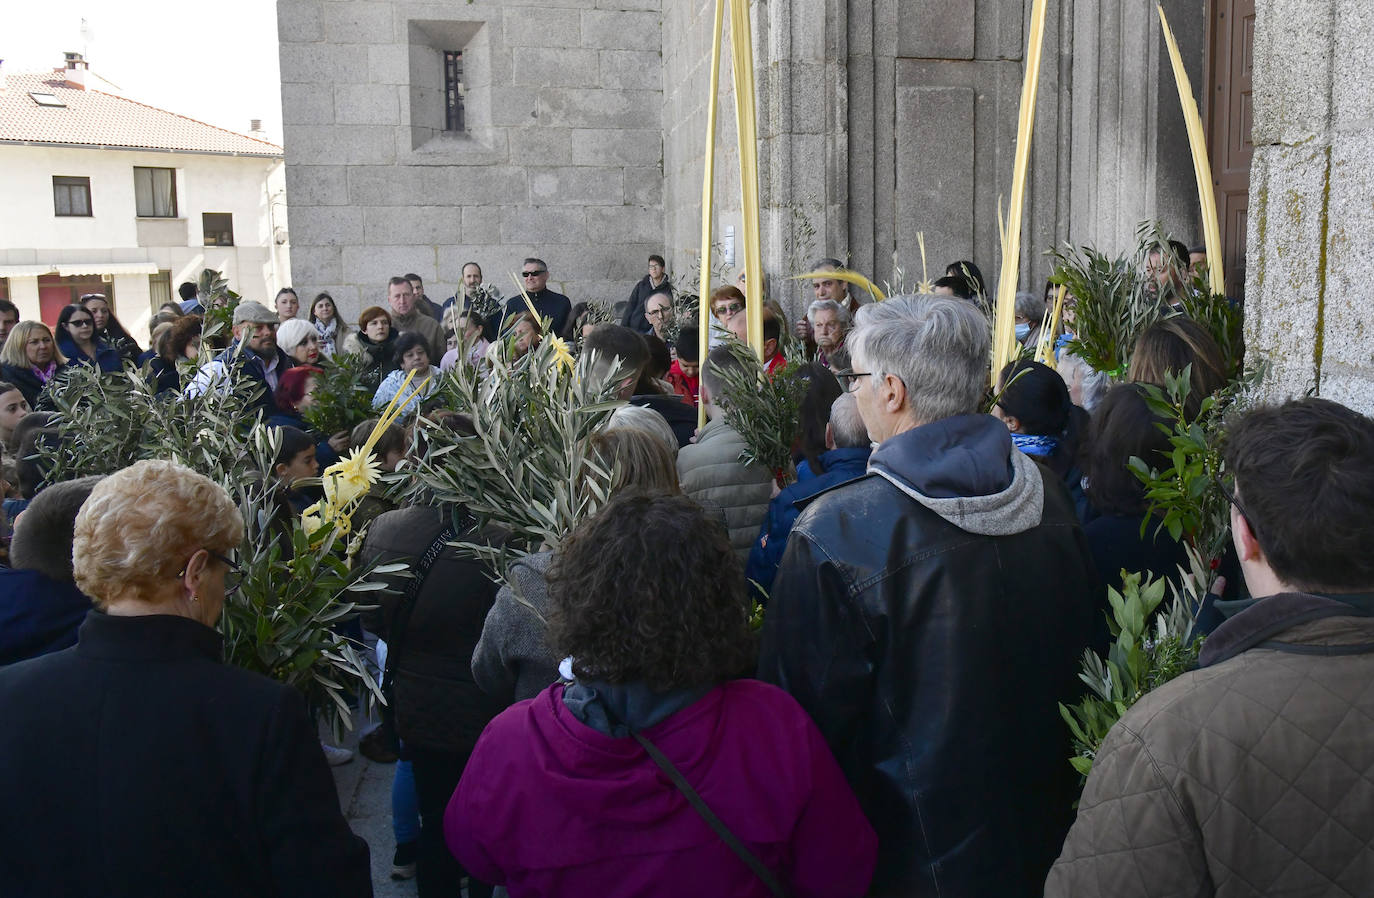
[(73, 269), (76, 269), (24, 271)]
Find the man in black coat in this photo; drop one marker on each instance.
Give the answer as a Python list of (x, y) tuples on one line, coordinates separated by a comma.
[(930, 615), (548, 303), (431, 626), (655, 281)]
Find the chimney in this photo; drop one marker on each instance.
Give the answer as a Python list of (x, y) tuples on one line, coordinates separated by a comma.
[(255, 126), (75, 70)]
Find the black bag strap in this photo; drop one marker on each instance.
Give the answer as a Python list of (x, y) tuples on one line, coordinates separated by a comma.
[(401, 621), (700, 806)]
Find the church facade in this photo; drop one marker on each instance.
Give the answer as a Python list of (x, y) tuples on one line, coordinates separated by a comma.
[(422, 135)]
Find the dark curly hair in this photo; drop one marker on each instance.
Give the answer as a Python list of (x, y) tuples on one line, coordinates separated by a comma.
[(649, 590)]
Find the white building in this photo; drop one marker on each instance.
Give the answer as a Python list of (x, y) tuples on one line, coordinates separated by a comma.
[(103, 194)]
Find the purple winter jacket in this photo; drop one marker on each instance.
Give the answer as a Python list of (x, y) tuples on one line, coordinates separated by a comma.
[(548, 806)]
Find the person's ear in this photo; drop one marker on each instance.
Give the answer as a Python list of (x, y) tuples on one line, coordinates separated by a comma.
[(1247, 547), (281, 469), (893, 393), (1013, 423), (195, 569)]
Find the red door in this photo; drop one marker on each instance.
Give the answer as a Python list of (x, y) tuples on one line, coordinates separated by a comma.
[(1230, 58)]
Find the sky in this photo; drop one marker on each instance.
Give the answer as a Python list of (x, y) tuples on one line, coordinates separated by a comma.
[(209, 61)]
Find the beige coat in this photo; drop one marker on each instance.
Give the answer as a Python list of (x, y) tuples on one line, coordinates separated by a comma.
[(712, 475), (1251, 776)]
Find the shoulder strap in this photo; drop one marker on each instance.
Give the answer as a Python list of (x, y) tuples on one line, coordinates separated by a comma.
[(700, 806), (401, 621)]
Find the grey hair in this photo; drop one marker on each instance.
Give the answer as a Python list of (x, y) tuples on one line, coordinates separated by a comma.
[(937, 346), (824, 305), (846, 424), (646, 419), (1030, 307), (1092, 384)]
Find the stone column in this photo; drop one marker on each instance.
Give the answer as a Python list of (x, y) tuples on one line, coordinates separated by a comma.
[(1129, 145), (1311, 229)]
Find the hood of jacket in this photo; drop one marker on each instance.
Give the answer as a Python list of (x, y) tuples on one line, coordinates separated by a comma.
[(965, 469)]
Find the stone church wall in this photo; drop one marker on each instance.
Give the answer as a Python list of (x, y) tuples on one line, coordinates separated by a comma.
[(562, 156), (1310, 271)]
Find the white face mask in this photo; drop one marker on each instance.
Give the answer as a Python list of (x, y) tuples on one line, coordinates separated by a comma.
[(1022, 331)]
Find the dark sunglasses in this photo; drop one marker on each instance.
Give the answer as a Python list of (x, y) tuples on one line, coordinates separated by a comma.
[(81, 322), (534, 274)]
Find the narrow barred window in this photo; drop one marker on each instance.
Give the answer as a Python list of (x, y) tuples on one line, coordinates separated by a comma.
[(453, 89)]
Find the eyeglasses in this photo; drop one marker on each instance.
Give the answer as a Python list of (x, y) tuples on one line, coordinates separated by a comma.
[(233, 576), (1227, 484), (81, 322), (534, 274), (848, 378), (654, 313), (729, 308)]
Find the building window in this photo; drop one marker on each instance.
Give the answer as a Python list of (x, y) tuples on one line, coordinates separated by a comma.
[(159, 289), (71, 196), (219, 228), (155, 192), (453, 90)]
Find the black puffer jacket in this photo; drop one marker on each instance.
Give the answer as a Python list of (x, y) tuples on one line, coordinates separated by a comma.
[(437, 704), (929, 616)]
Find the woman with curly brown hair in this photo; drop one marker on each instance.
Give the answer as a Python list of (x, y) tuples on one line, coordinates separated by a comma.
[(655, 772)]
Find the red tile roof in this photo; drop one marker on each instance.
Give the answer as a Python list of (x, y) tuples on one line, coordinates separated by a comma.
[(95, 118)]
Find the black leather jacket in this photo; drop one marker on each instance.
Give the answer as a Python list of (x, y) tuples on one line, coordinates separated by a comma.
[(929, 616)]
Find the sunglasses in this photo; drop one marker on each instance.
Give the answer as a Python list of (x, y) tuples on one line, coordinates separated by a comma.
[(729, 308), (81, 322), (534, 274)]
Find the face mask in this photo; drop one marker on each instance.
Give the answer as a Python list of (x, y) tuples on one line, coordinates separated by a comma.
[(1022, 331)]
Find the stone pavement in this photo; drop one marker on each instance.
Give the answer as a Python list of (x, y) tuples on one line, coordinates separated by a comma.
[(365, 796)]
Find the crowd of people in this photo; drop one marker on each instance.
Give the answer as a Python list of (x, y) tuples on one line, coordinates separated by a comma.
[(607, 716)]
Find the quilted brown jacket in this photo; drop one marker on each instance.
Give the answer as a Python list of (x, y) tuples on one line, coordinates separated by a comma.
[(1251, 776)]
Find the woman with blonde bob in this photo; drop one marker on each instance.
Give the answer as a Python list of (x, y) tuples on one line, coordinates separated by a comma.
[(30, 359), (146, 765)]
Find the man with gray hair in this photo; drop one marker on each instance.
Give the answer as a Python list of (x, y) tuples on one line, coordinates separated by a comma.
[(845, 458), (931, 615), (829, 323)]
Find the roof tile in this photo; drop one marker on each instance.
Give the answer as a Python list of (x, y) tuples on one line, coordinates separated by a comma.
[(95, 118)]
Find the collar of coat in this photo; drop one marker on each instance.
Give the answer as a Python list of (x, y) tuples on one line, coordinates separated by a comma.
[(1261, 622)]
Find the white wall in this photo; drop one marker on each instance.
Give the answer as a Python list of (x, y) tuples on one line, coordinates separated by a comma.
[(252, 189)]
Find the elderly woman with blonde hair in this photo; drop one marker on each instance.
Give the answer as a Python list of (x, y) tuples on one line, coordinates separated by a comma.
[(143, 763)]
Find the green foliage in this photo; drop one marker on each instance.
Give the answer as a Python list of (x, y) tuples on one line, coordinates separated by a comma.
[(294, 589), (486, 301), (527, 470), (1114, 303), (1221, 318), (109, 421), (218, 302), (766, 411), (342, 399), (1149, 649)]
